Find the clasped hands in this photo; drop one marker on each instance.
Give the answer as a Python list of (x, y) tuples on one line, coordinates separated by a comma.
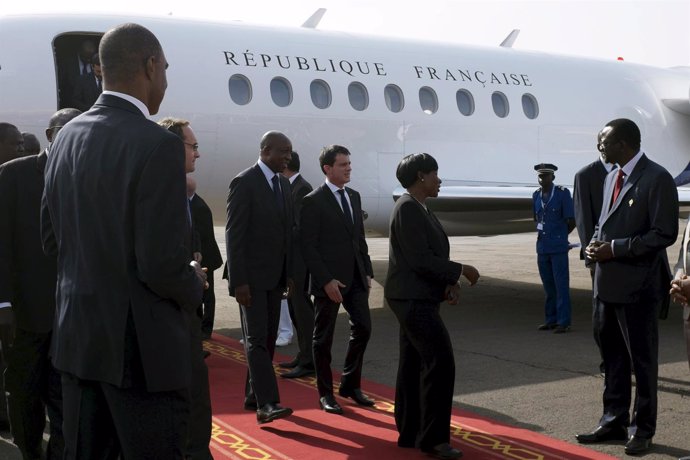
[(680, 290), (453, 290), (599, 251)]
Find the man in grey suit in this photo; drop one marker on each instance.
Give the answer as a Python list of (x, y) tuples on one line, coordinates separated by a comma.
[(114, 212), (639, 220), (588, 195), (258, 236), (300, 303)]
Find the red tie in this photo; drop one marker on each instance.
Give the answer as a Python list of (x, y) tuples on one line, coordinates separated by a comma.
[(619, 185)]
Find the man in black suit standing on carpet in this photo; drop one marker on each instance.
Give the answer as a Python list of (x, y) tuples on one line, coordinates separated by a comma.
[(301, 306), (639, 220), (588, 196), (27, 291), (337, 256), (210, 254), (114, 212), (259, 242)]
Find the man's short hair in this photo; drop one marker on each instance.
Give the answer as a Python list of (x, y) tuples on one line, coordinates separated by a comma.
[(294, 164), (625, 130), (124, 51), (62, 116), (6, 129), (329, 153), (411, 165), (174, 125), (32, 145)]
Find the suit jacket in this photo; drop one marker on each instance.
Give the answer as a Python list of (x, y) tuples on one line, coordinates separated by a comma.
[(258, 235), (114, 211), (27, 274), (642, 223), (299, 189), (203, 224), (331, 246), (86, 92), (588, 198), (418, 257)]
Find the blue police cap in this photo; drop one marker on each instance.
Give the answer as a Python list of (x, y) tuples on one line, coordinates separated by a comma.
[(543, 168)]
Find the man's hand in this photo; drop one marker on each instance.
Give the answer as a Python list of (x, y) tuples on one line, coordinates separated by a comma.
[(6, 316), (290, 288), (332, 290), (453, 294), (599, 251), (471, 273), (243, 295), (368, 283), (200, 273), (197, 257)]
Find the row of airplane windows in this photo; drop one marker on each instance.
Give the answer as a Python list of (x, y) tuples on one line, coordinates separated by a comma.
[(281, 92)]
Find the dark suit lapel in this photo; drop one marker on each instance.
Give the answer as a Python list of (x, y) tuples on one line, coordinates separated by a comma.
[(333, 204), (41, 160), (629, 184), (267, 191)]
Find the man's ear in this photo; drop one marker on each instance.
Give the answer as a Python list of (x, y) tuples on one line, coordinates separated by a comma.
[(150, 67)]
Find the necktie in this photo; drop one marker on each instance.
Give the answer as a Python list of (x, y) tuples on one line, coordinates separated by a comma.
[(618, 186), (346, 207), (276, 192), (98, 85)]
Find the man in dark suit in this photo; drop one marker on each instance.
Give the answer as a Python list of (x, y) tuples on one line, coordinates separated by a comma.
[(337, 256), (200, 413), (301, 306), (27, 285), (639, 220), (89, 86), (259, 243), (76, 65), (11, 143), (202, 219), (114, 212), (588, 196)]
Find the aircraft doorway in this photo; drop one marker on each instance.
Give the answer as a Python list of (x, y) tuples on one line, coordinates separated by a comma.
[(69, 67)]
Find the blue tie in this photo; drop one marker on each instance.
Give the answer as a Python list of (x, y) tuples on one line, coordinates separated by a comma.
[(276, 192), (346, 207)]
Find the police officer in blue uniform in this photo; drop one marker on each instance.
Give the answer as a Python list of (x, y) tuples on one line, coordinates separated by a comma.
[(555, 218)]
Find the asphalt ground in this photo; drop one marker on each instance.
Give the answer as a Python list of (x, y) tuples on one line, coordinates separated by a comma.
[(505, 368)]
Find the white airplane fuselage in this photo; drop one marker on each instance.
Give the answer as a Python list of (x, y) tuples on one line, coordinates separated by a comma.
[(485, 161)]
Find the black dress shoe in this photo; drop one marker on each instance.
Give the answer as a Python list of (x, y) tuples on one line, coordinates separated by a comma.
[(298, 372), (269, 412), (603, 433), (250, 404), (443, 451), (289, 364), (547, 326), (329, 404), (637, 445), (357, 396), (561, 329)]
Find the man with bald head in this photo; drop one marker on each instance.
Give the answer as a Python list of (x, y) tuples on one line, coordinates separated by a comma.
[(11, 143), (259, 242), (114, 212), (27, 295)]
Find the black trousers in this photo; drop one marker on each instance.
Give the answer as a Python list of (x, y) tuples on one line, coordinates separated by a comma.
[(629, 333), (260, 329), (356, 303), (302, 314), (199, 425), (426, 375), (102, 421), (32, 386), (208, 303)]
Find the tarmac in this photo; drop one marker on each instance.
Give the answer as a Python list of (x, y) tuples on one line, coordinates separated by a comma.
[(505, 368)]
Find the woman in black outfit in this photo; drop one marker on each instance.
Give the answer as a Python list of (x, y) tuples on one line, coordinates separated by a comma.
[(420, 277)]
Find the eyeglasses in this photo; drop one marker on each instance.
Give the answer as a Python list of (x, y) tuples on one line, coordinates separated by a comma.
[(601, 146), (194, 147)]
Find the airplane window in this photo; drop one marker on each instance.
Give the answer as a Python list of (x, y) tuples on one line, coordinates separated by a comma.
[(358, 95), (530, 106), (500, 103), (395, 101), (320, 94), (281, 92), (465, 102), (428, 100), (240, 89)]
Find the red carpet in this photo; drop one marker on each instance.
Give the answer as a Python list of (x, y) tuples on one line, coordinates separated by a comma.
[(362, 433)]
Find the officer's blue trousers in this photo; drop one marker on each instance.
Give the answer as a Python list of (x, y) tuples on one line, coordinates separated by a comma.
[(553, 269)]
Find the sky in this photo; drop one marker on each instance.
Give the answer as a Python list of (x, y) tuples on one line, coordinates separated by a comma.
[(653, 32)]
